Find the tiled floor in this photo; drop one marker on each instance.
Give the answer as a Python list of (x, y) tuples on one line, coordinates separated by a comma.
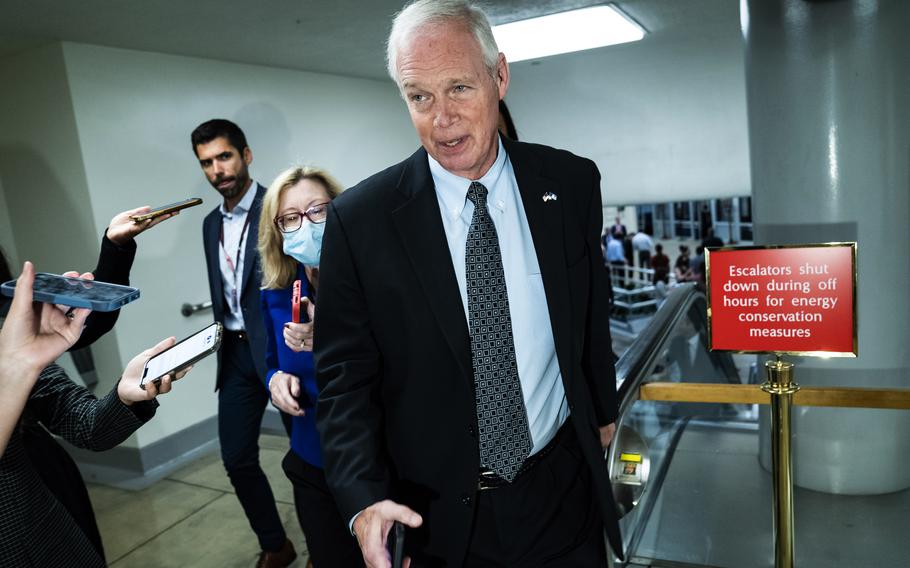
[(192, 517)]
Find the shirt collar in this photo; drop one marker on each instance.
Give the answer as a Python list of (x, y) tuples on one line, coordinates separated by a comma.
[(244, 204), (453, 189)]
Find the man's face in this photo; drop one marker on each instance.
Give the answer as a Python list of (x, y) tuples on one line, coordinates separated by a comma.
[(224, 166), (452, 98)]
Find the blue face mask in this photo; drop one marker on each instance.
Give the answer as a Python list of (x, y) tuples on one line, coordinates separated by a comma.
[(305, 244)]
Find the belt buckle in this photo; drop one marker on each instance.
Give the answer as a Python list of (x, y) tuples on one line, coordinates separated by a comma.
[(487, 479)]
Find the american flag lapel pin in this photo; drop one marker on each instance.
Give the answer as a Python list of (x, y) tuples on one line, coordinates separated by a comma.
[(549, 196)]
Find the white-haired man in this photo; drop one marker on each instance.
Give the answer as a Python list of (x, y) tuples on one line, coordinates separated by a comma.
[(467, 387)]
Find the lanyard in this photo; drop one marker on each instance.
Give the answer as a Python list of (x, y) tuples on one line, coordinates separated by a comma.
[(227, 257)]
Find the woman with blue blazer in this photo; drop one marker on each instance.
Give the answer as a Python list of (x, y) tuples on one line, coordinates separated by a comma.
[(290, 241)]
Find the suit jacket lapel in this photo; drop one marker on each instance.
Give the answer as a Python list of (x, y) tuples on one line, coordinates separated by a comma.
[(419, 225), (545, 219), (250, 256), (213, 224)]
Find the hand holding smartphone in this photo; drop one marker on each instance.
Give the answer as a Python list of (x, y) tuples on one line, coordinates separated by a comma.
[(182, 354), (165, 209)]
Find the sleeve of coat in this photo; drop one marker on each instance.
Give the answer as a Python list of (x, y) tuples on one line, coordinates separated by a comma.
[(598, 363), (114, 264), (73, 412), (349, 416)]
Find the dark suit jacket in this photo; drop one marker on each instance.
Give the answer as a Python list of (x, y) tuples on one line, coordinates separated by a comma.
[(396, 409), (249, 285)]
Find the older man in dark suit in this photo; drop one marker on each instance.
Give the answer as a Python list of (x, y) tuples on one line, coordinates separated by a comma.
[(467, 386), (229, 234)]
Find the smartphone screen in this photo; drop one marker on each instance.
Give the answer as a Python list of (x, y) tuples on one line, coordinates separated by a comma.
[(183, 354)]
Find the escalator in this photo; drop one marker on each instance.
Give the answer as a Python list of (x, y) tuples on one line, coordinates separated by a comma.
[(706, 500)]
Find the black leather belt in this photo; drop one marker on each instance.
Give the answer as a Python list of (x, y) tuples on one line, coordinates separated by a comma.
[(489, 479), (238, 335)]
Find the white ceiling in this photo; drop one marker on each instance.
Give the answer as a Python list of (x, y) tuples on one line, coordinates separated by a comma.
[(343, 37), (664, 118)]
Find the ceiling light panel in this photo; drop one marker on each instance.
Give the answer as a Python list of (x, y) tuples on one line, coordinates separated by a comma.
[(565, 32)]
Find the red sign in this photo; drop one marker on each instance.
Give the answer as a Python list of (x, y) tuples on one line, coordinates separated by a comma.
[(797, 300)]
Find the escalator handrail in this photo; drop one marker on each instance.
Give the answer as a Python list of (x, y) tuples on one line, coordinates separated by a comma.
[(632, 368)]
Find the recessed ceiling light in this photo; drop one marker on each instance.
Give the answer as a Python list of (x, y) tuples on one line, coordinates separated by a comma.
[(565, 32)]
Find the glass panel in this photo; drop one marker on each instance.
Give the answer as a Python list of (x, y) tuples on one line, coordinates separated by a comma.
[(745, 232), (681, 210), (745, 209), (709, 496), (725, 209)]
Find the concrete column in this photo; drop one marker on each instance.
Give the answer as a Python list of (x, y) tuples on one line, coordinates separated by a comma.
[(828, 89)]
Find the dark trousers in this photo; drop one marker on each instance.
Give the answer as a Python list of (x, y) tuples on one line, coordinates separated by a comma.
[(328, 539), (547, 517), (241, 403), (644, 258)]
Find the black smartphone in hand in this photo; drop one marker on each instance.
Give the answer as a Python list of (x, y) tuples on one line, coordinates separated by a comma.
[(396, 544)]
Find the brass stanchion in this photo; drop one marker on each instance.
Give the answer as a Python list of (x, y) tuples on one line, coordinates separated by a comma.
[(781, 388)]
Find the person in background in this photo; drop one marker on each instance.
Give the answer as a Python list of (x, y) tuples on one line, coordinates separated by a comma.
[(642, 243), (464, 390), (697, 267), (661, 265), (229, 236), (681, 266), (616, 258), (290, 243), (712, 240), (618, 230), (36, 529)]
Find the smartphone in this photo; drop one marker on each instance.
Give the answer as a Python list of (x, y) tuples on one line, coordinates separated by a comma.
[(183, 354), (295, 302), (396, 544), (77, 292), (165, 209)]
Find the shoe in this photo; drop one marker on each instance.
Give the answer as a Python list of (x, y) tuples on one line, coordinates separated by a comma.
[(279, 559)]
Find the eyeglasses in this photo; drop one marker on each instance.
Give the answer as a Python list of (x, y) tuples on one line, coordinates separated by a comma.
[(290, 222)]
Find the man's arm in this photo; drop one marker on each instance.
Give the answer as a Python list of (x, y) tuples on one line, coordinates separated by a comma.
[(349, 414), (597, 361), (348, 372)]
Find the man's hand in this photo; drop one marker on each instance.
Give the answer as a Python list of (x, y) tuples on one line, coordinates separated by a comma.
[(128, 388), (285, 388), (372, 526), (606, 434), (122, 229), (34, 335), (299, 336)]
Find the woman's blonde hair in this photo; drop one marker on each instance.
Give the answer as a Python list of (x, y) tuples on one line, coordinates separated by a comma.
[(278, 269)]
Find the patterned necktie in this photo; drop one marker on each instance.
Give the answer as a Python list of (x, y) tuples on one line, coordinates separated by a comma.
[(504, 436)]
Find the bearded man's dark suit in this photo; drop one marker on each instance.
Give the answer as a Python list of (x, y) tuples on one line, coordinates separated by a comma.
[(242, 396), (396, 409), (249, 281)]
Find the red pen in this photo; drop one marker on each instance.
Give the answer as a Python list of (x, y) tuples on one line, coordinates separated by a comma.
[(295, 302)]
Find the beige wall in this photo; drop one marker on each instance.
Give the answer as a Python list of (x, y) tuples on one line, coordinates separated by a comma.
[(89, 131)]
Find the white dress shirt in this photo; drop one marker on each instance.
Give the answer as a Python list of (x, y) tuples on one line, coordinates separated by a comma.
[(535, 351), (235, 236)]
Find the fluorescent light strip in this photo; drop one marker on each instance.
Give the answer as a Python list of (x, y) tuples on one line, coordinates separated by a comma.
[(565, 32)]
